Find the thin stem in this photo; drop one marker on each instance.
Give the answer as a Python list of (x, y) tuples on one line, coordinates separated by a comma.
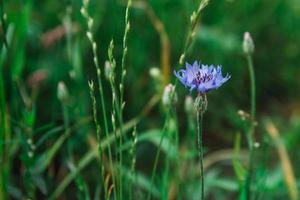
[(92, 154), (3, 22), (125, 50), (192, 32), (4, 130), (116, 107), (98, 135), (122, 86), (67, 128), (200, 149), (3, 138), (133, 160), (89, 20), (158, 153), (123, 74), (177, 160), (253, 90), (252, 127)]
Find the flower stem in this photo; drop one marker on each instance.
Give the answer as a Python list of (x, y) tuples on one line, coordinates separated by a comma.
[(253, 91), (200, 149), (252, 127)]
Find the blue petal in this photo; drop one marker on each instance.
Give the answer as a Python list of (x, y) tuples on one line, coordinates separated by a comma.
[(195, 64), (201, 88), (188, 66)]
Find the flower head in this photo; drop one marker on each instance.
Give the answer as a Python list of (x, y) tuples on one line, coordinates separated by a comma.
[(201, 78)]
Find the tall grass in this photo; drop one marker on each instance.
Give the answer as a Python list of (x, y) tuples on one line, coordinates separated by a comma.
[(80, 118)]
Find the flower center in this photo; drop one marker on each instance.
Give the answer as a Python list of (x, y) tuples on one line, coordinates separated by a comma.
[(202, 78)]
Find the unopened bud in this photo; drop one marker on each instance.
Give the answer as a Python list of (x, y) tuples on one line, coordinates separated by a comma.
[(155, 73), (248, 45), (169, 96), (30, 154), (189, 104), (200, 103), (181, 60), (62, 92), (72, 74), (256, 145)]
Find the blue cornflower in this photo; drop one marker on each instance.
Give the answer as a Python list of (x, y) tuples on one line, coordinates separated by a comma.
[(202, 78)]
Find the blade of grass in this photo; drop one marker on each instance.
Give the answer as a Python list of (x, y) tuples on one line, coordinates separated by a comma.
[(88, 158), (286, 164)]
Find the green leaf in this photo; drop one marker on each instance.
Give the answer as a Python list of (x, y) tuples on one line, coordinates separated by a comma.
[(239, 170)]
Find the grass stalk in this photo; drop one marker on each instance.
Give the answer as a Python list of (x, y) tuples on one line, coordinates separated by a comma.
[(84, 12), (90, 156), (3, 23), (122, 84), (116, 111), (133, 160), (125, 50), (195, 17), (286, 164), (98, 134), (163, 134)]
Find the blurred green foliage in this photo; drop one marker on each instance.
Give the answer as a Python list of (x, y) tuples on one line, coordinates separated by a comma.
[(47, 43)]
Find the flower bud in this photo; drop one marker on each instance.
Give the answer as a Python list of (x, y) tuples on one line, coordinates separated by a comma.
[(189, 104), (155, 73), (169, 96), (248, 45), (62, 92), (200, 103)]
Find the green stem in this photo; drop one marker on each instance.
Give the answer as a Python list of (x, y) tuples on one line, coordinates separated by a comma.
[(4, 130), (252, 127), (99, 79), (158, 153), (98, 134), (117, 113), (91, 155), (3, 22), (192, 31), (177, 160), (253, 91), (3, 139), (123, 73), (200, 149)]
